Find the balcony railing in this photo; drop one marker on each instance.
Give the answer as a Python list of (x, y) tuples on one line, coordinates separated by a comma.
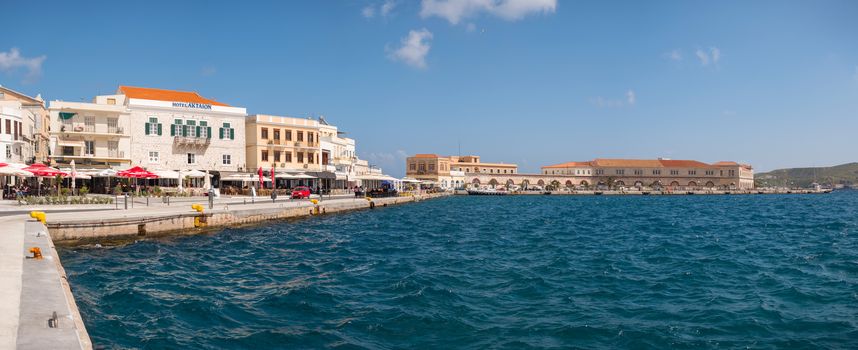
[(191, 141)]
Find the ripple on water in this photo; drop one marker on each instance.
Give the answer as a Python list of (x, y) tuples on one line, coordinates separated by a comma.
[(596, 272)]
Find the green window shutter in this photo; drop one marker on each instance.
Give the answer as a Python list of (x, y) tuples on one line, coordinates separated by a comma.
[(220, 133), (173, 130), (208, 132), (232, 134), (198, 131), (159, 129), (184, 130), (204, 123), (147, 129), (177, 122)]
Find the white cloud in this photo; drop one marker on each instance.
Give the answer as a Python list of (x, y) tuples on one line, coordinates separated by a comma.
[(702, 56), (387, 7), (602, 102), (383, 10), (711, 56), (12, 61), (413, 49), (456, 10), (716, 54), (674, 55)]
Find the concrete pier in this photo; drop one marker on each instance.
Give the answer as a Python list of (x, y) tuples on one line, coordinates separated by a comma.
[(142, 222), (34, 291)]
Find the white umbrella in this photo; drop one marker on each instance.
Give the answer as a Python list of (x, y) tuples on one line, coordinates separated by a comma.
[(73, 175), (208, 183), (193, 173)]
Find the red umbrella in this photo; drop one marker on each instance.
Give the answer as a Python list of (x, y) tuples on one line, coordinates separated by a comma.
[(138, 173), (273, 184), (41, 170), (3, 164), (261, 179)]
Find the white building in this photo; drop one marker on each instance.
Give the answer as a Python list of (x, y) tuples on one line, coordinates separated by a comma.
[(338, 155), (93, 135), (11, 127), (180, 130)]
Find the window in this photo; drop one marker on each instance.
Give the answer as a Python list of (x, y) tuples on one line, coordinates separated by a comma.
[(264, 155), (154, 157), (674, 172), (192, 158), (277, 156), (300, 157), (227, 132), (177, 129), (311, 157), (277, 134), (656, 172), (621, 171), (9, 151), (692, 172), (310, 137), (113, 149), (431, 167), (422, 167), (191, 129), (8, 127), (204, 130), (153, 127), (111, 101), (263, 133), (300, 136), (413, 166), (227, 159), (600, 171), (89, 124), (288, 157), (710, 172), (89, 147), (638, 172), (288, 134), (112, 125)]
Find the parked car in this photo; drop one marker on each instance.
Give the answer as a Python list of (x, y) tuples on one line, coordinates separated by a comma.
[(301, 192)]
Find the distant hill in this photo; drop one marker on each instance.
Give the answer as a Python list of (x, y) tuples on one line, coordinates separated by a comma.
[(844, 174)]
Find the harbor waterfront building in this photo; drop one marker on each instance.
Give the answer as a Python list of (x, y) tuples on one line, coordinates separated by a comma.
[(655, 173), (451, 171), (93, 135), (288, 144), (30, 144)]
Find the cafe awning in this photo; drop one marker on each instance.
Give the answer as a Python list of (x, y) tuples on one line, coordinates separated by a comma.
[(322, 175)]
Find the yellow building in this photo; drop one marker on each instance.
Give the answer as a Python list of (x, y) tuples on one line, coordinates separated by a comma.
[(285, 143), (450, 171)]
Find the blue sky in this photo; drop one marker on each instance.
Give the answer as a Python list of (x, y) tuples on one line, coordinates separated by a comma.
[(535, 82)]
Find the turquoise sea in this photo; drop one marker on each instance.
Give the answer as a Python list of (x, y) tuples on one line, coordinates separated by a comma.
[(556, 272)]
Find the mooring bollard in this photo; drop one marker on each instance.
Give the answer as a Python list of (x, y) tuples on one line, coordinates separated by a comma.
[(125, 200), (147, 201)]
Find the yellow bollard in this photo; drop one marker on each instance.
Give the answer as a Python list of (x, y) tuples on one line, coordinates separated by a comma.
[(37, 253), (38, 215), (314, 201), (197, 207), (199, 221)]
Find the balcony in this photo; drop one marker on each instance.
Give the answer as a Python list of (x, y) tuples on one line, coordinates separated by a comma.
[(90, 130), (191, 141)]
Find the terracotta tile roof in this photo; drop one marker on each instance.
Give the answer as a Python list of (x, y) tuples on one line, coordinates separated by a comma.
[(628, 163), (166, 95), (725, 163), (670, 163), (568, 165)]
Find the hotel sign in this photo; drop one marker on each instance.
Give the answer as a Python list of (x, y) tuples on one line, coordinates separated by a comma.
[(192, 105)]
